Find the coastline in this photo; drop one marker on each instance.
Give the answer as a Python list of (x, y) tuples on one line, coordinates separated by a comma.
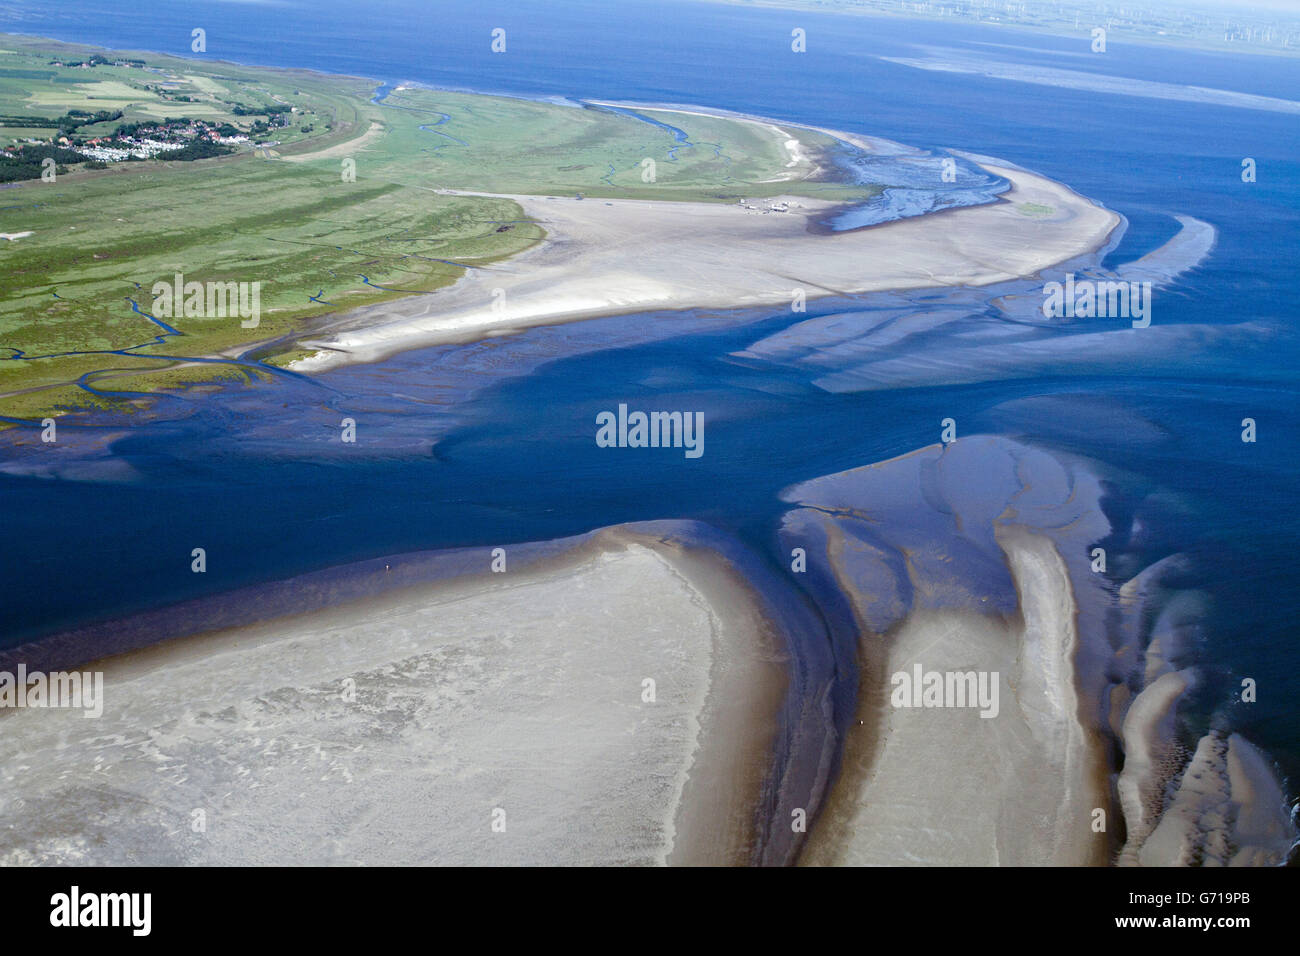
[(1121, 684), (606, 257), (969, 556), (467, 696), (602, 257)]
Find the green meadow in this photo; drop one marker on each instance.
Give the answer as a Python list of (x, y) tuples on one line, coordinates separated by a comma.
[(348, 192)]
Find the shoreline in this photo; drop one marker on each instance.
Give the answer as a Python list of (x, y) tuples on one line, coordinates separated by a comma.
[(684, 777), (989, 573), (604, 257), (960, 562), (1030, 31), (675, 255)]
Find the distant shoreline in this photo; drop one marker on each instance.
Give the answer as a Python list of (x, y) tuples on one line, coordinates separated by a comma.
[(1155, 41)]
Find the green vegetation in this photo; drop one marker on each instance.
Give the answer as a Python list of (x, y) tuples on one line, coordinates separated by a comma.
[(67, 123), (26, 161), (520, 146), (289, 215)]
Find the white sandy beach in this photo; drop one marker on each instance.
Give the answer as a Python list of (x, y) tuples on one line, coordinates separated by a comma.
[(522, 692), (604, 257)]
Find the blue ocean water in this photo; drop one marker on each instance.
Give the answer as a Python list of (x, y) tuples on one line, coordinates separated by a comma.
[(250, 475)]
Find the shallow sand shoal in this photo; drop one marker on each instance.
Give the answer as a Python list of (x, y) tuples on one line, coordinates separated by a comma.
[(391, 730), (607, 257), (945, 785)]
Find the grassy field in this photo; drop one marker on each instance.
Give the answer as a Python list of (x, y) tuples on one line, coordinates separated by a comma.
[(291, 216), (494, 144), (166, 87)]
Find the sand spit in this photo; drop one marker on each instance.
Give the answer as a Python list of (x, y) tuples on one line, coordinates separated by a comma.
[(394, 728), (605, 257), (976, 558), (1151, 754), (1186, 250), (958, 341)]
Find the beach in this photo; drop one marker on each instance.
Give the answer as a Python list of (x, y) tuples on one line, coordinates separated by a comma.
[(610, 256), (651, 694), (615, 704)]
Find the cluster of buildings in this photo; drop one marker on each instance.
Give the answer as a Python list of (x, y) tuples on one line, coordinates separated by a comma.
[(151, 141), (97, 60), (109, 150)]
